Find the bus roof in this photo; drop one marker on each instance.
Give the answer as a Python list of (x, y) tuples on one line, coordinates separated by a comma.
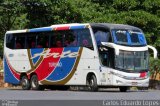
[(75, 26), (114, 26), (53, 27)]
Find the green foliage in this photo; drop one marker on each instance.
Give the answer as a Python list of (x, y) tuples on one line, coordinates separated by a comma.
[(11, 11), (154, 67), (37, 13), (124, 5), (152, 6), (65, 12), (22, 14)]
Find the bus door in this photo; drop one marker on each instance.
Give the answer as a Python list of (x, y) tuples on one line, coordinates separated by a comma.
[(106, 55)]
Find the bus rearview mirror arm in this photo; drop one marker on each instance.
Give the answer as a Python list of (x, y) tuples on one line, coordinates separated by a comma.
[(154, 51), (112, 45)]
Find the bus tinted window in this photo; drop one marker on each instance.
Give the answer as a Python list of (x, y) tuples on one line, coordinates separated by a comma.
[(56, 39), (31, 40), (42, 40), (70, 39), (134, 38), (85, 39), (10, 41), (129, 37), (121, 36), (102, 36), (19, 41), (53, 39)]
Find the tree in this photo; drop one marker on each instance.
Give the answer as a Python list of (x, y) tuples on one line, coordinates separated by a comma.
[(22, 14), (152, 6), (10, 13)]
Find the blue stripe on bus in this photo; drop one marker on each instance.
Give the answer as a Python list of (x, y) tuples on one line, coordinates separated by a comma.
[(77, 27), (40, 29), (64, 66), (8, 76), (36, 51), (50, 29)]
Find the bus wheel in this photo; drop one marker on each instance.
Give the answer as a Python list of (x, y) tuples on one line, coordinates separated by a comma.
[(123, 89), (92, 83), (34, 83), (25, 83)]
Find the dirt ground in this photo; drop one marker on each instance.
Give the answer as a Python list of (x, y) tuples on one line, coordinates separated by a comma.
[(157, 77)]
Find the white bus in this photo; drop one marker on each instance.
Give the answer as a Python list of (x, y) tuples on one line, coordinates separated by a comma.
[(90, 55)]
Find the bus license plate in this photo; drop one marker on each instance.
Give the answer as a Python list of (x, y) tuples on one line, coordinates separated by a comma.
[(134, 83)]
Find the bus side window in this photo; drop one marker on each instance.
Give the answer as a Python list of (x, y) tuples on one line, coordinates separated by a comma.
[(85, 40), (70, 40), (31, 41), (104, 58), (52, 41), (10, 41), (56, 39), (101, 36), (107, 56), (20, 41), (42, 40), (59, 41)]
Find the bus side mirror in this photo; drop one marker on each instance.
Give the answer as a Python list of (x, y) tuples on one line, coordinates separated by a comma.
[(154, 50)]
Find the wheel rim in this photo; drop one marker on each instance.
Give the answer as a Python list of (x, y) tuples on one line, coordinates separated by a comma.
[(91, 83), (24, 83), (34, 83)]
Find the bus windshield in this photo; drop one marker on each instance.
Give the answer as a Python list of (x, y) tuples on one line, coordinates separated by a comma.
[(132, 61), (128, 37)]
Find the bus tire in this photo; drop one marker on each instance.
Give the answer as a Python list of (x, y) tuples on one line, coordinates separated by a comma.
[(25, 83), (123, 88), (92, 83), (34, 83)]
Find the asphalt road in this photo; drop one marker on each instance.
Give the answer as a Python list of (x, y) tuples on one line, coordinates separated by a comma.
[(79, 97)]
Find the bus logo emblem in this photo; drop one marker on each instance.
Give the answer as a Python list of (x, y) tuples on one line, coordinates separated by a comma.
[(47, 54)]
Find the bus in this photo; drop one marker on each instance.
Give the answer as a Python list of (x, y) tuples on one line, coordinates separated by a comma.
[(91, 55)]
